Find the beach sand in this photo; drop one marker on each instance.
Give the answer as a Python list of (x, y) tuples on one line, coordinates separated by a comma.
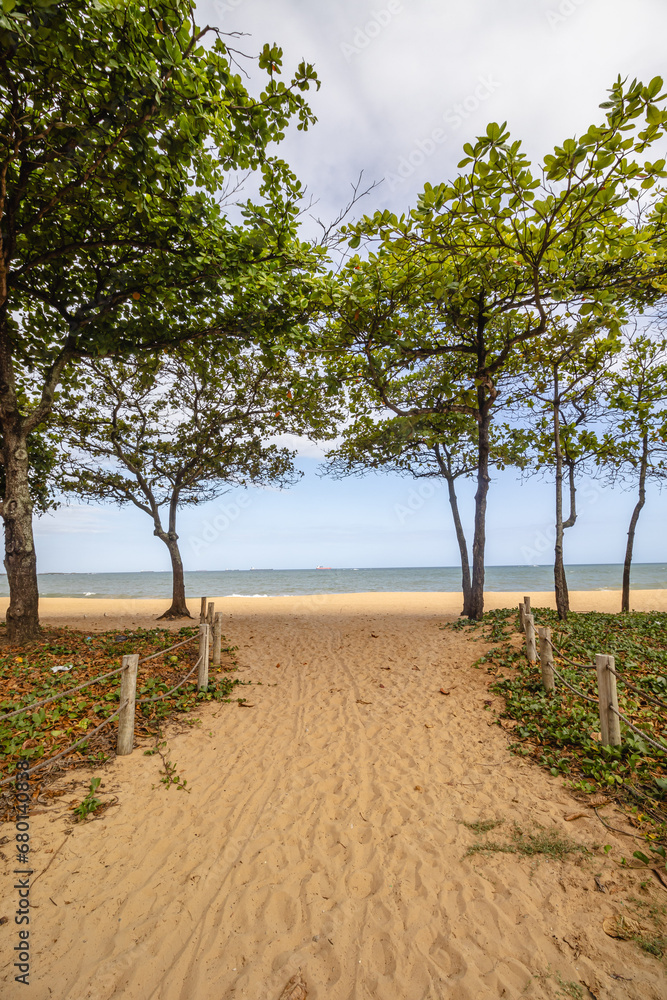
[(324, 830), (98, 614)]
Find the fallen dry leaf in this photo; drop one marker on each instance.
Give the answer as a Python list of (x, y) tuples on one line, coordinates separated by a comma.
[(295, 989), (598, 800), (443, 691), (659, 874), (381, 685), (385, 668), (571, 816), (621, 927), (360, 702), (418, 788), (427, 725)]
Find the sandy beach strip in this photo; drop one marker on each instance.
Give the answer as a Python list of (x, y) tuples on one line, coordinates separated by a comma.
[(100, 613), (325, 830)]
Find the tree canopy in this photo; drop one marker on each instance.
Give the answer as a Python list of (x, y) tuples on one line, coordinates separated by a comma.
[(495, 260), (183, 428), (122, 128)]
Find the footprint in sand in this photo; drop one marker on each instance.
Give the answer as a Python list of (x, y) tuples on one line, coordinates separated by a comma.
[(361, 884), (383, 956)]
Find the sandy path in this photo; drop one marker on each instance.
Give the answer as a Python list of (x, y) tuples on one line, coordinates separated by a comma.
[(304, 843)]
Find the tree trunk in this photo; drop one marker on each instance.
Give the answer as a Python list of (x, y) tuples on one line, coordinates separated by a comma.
[(625, 598), (179, 608), (446, 470), (560, 581), (476, 608), (20, 559), (463, 548)]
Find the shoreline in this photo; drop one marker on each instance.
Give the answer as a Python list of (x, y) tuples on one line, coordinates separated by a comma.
[(99, 614)]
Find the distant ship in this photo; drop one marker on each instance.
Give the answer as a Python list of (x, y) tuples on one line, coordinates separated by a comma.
[(323, 567)]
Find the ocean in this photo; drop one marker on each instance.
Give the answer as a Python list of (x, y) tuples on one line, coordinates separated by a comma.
[(286, 582)]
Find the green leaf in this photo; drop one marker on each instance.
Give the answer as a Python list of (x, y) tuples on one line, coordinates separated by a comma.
[(655, 86)]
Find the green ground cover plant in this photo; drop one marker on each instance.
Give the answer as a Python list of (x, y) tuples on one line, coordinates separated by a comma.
[(27, 676), (91, 803), (561, 732)]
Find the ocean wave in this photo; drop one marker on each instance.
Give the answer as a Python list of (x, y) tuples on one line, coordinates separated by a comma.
[(250, 595)]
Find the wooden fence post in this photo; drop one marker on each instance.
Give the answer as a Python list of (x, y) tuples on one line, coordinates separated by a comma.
[(202, 610), (217, 640), (202, 677), (531, 650), (522, 624), (210, 613), (128, 694), (610, 724), (547, 660), (526, 606)]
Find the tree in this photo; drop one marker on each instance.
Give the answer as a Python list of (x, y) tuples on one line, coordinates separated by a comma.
[(401, 423), (120, 131), (634, 449), (182, 429), (429, 447), (569, 383), (497, 254)]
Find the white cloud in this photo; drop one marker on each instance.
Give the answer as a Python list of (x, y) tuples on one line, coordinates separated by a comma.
[(553, 60), (78, 520), (304, 447)]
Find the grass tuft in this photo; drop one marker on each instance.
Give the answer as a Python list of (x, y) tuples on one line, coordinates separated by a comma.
[(483, 825), (546, 843)]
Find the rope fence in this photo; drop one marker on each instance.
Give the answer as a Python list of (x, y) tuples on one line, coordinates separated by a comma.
[(161, 697), (644, 694), (95, 680), (640, 732), (574, 690), (51, 760), (161, 652), (607, 700), (48, 701), (210, 626)]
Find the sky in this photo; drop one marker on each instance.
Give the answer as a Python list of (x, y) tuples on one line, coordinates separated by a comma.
[(405, 83)]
